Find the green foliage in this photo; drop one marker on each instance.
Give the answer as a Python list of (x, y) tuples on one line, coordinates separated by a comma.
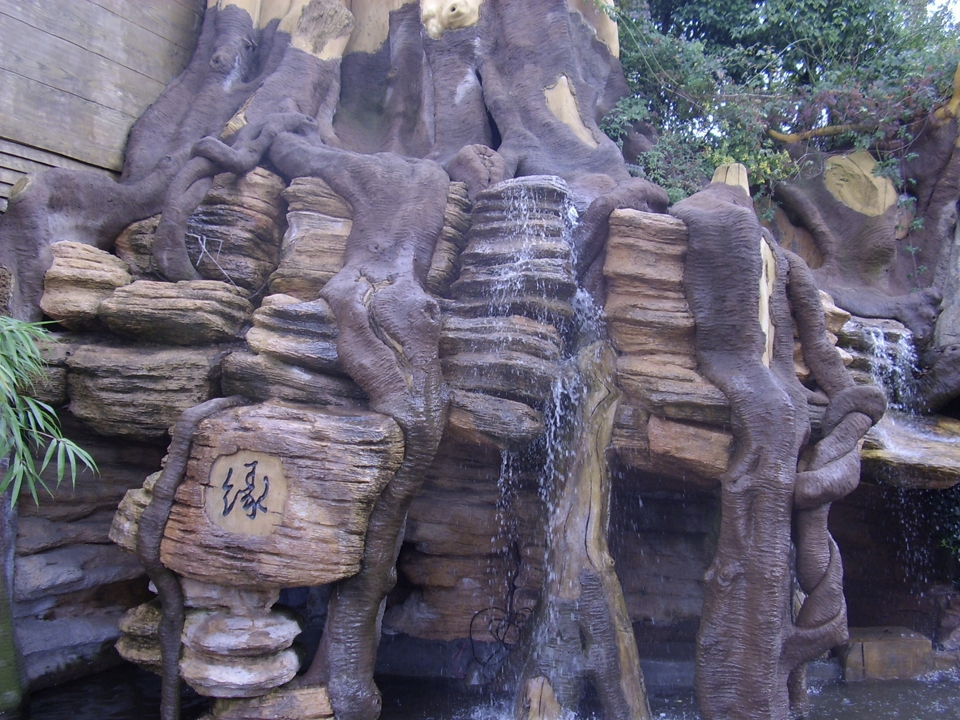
[(29, 428), (717, 76)]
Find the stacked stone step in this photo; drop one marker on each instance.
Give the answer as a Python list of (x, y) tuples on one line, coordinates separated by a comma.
[(235, 644), (475, 540), (502, 332), (518, 260), (291, 355)]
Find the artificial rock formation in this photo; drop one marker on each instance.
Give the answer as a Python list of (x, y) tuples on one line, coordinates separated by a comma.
[(378, 326), (775, 482)]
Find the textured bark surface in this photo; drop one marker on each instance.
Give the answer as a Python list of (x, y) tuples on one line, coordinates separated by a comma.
[(751, 650)]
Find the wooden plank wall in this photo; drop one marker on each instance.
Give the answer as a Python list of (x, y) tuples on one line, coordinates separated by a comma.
[(76, 74)]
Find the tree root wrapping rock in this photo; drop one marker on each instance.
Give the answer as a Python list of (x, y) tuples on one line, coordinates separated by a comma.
[(150, 533), (742, 291)]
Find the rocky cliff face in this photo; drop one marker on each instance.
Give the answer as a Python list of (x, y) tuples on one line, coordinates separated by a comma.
[(378, 246)]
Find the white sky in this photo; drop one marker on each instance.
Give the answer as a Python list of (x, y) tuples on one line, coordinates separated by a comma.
[(954, 6)]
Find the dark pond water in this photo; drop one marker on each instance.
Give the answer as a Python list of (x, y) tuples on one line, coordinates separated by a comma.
[(132, 694)]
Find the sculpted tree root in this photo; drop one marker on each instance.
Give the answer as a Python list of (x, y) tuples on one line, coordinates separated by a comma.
[(751, 650), (388, 342), (152, 523), (230, 62), (580, 631)]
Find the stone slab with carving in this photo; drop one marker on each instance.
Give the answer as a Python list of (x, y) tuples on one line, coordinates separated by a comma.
[(278, 495)]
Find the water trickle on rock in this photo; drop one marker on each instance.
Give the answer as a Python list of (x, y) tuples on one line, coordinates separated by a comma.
[(893, 364)]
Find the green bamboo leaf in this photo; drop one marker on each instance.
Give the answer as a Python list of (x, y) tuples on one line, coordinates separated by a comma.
[(61, 457), (28, 425), (51, 447)]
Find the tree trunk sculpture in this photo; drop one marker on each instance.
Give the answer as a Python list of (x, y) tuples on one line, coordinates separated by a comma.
[(580, 631), (750, 648), (231, 61)]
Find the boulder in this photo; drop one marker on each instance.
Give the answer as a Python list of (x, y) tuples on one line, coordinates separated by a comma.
[(139, 643), (63, 649), (263, 377), (51, 388), (134, 246), (512, 357), (885, 653), (296, 332), (513, 333), (279, 495), (126, 520), (66, 569), (688, 448), (80, 278), (237, 677), (318, 224), (226, 634), (38, 534), (198, 312), (238, 600), (477, 419), (139, 392), (672, 391), (311, 253)]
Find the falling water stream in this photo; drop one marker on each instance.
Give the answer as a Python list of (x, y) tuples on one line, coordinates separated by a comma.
[(893, 363)]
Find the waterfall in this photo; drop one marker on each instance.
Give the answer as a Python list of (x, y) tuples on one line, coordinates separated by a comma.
[(893, 363), (536, 337)]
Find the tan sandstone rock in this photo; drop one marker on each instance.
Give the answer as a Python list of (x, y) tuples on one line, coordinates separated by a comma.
[(197, 312), (279, 495), (139, 392), (80, 278)]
